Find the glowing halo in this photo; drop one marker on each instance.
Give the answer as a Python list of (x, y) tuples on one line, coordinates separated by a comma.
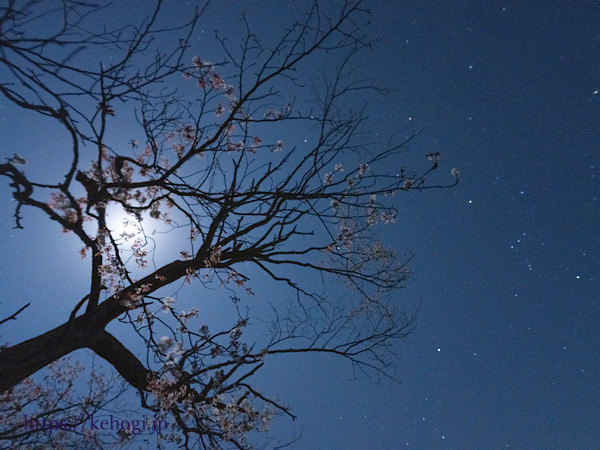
[(123, 226)]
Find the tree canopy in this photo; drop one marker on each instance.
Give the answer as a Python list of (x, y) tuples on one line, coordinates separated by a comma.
[(212, 188)]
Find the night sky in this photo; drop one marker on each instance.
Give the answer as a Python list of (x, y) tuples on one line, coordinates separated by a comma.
[(505, 264)]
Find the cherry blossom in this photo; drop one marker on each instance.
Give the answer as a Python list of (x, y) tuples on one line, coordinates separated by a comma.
[(231, 218), (164, 344), (362, 170)]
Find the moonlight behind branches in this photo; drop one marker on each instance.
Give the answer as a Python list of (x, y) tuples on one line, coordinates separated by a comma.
[(212, 158)]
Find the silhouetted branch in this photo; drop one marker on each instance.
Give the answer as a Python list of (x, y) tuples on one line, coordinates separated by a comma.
[(217, 164), (14, 316)]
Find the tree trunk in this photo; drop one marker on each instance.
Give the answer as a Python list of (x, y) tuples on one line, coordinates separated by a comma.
[(24, 359)]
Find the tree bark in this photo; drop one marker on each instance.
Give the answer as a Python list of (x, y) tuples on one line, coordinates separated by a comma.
[(129, 367), (86, 331), (26, 358)]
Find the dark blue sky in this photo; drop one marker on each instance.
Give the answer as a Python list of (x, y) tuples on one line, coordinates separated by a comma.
[(505, 266)]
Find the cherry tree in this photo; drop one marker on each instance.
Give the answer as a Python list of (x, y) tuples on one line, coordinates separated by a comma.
[(214, 157)]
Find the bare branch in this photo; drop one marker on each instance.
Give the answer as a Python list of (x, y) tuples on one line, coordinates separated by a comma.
[(215, 164)]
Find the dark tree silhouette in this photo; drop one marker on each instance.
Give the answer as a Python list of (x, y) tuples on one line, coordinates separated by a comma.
[(215, 161)]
